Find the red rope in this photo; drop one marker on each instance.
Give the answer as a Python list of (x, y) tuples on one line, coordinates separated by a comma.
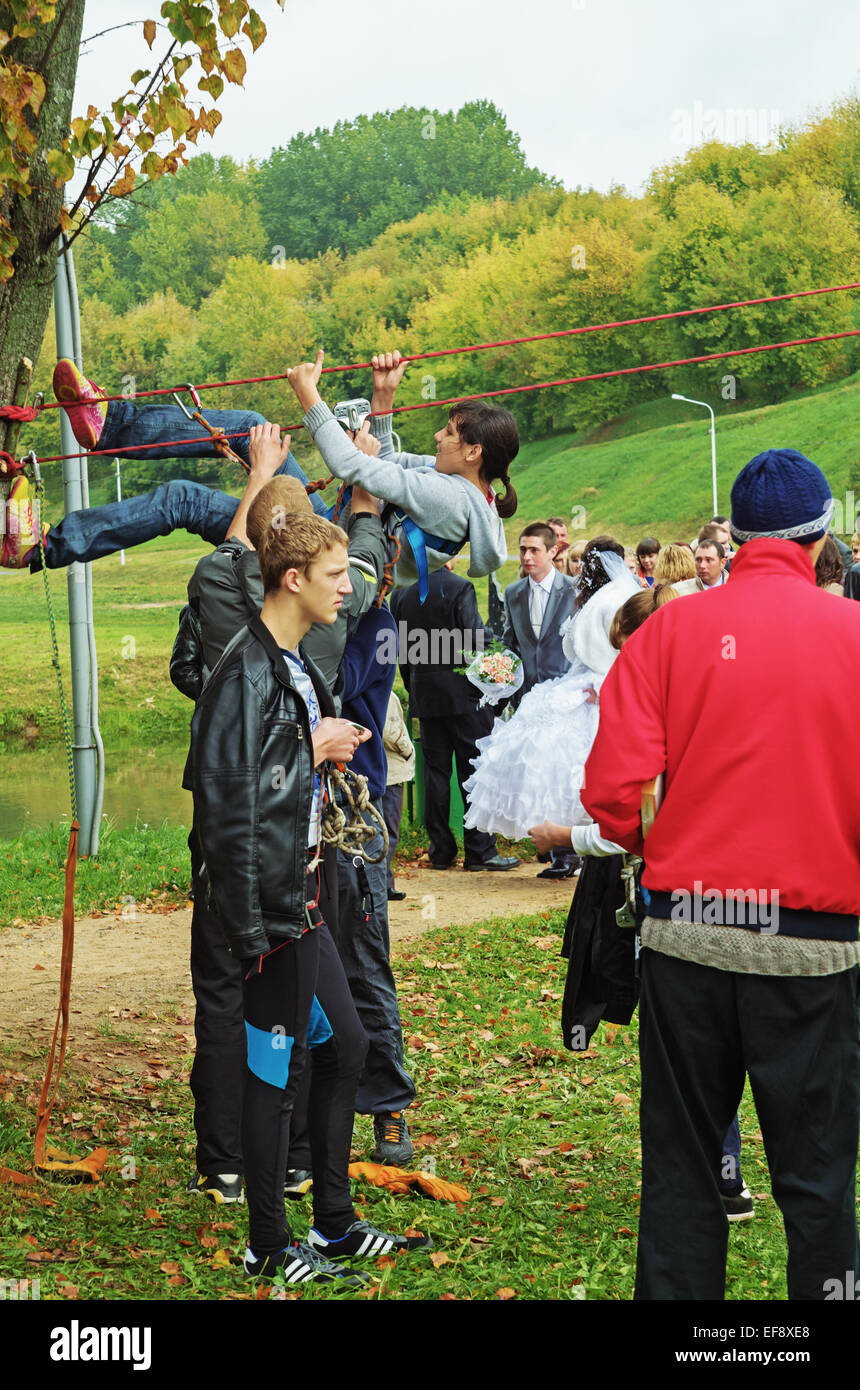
[(483, 347), (19, 412), (482, 395)]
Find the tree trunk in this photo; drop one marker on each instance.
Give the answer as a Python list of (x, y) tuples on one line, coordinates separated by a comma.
[(25, 299)]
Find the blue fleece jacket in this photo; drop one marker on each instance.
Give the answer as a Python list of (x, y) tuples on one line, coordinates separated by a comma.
[(364, 687)]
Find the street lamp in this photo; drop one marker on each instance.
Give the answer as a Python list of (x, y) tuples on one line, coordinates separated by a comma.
[(690, 401)]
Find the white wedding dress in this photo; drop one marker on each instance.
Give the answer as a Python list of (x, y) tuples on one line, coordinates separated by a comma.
[(531, 767)]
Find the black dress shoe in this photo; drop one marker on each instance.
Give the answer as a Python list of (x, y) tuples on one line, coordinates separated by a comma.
[(498, 862), (395, 896), (449, 865), (562, 871)]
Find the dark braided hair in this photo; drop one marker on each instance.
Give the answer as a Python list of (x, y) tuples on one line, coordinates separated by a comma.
[(495, 430), (593, 576)]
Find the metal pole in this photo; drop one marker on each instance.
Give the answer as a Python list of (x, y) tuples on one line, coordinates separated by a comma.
[(714, 459), (74, 482), (690, 401)]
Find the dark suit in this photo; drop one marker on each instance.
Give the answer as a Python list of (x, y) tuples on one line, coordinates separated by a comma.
[(445, 704), (542, 658)]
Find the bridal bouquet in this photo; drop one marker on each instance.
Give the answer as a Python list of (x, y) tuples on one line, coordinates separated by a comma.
[(496, 671)]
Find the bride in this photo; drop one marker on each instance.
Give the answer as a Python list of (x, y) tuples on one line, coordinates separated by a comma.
[(533, 765)]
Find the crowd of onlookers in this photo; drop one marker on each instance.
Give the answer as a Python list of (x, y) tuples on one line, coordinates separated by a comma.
[(706, 562)]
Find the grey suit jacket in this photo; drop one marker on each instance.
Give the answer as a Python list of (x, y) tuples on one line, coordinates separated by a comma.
[(543, 659)]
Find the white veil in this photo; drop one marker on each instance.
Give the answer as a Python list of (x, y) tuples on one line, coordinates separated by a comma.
[(592, 647)]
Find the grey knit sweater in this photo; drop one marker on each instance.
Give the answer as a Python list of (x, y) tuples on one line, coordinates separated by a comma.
[(444, 505)]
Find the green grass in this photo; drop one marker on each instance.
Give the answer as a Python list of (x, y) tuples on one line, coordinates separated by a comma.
[(136, 867), (545, 1142)]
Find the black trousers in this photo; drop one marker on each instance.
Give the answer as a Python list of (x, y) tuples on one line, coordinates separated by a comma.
[(701, 1031), (452, 736), (284, 1036), (218, 1070)]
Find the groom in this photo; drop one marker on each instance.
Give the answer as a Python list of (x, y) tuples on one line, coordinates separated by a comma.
[(535, 608)]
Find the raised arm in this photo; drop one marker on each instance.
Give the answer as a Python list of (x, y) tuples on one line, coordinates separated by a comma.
[(266, 452)]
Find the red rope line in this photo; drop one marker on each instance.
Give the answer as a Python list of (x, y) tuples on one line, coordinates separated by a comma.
[(482, 395), (504, 342)]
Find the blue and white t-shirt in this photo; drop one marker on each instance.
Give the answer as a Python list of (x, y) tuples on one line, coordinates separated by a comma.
[(304, 685)]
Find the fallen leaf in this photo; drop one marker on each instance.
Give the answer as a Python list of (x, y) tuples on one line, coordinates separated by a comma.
[(385, 1262), (506, 1294), (220, 1260), (209, 1242), (169, 1267), (620, 1099), (69, 1290), (38, 967), (447, 1298), (152, 1215), (439, 1258), (624, 1231), (577, 1206), (176, 1279)]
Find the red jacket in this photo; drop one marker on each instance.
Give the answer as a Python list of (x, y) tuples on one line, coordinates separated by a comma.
[(747, 698)]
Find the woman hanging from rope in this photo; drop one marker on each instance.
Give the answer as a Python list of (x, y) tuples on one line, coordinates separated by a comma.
[(436, 504)]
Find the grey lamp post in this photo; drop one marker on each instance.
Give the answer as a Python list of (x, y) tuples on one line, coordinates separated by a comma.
[(690, 401)]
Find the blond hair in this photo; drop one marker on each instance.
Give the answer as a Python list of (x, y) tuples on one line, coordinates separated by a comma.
[(632, 614), (285, 537), (573, 552), (674, 563)]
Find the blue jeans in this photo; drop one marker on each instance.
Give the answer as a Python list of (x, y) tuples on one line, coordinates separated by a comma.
[(174, 506)]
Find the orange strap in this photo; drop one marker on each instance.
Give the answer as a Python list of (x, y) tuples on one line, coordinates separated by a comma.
[(48, 1161)]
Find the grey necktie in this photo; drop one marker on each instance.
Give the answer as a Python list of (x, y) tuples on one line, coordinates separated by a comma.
[(536, 610)]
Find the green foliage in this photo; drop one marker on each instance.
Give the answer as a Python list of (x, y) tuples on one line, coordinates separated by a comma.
[(792, 236), (340, 188), (116, 145)]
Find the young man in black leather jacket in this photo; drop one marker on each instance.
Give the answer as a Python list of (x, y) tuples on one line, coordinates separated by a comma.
[(263, 724)]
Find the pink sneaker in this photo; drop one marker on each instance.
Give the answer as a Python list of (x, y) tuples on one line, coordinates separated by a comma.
[(19, 536), (85, 410)]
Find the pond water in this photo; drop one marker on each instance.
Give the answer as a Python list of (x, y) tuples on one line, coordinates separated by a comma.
[(140, 784)]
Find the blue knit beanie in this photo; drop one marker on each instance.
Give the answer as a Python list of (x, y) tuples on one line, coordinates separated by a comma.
[(781, 495)]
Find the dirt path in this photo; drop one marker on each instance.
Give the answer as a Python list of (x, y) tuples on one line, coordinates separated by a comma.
[(132, 983)]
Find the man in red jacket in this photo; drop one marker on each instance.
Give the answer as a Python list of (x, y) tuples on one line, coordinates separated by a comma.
[(750, 950)]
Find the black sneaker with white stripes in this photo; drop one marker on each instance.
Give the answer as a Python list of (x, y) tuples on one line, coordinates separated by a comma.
[(301, 1264), (363, 1241)]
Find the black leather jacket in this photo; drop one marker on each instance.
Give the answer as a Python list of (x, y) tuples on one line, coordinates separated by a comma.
[(253, 776)]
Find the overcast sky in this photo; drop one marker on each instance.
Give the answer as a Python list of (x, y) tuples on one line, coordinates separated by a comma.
[(600, 91)]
